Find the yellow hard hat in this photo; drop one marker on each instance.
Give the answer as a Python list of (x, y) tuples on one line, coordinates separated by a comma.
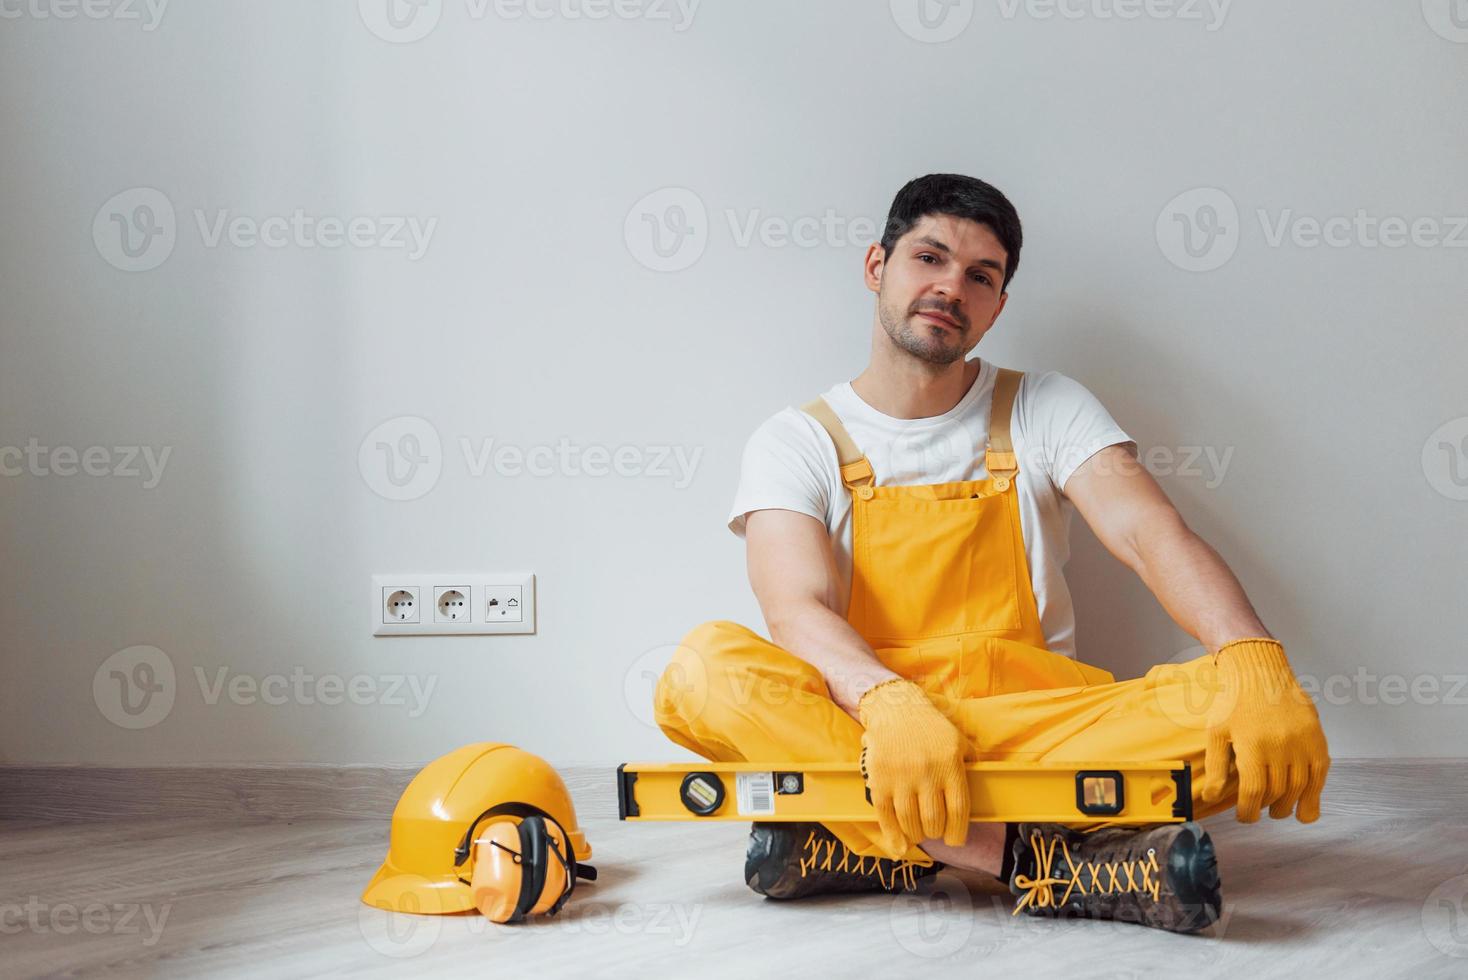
[(437, 815)]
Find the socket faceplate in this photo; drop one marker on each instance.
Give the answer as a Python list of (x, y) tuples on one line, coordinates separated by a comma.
[(487, 607)]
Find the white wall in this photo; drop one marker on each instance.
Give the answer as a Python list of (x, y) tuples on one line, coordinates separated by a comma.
[(530, 319)]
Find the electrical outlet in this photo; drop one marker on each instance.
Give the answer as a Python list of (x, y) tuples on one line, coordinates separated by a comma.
[(400, 604), (451, 604), (482, 603)]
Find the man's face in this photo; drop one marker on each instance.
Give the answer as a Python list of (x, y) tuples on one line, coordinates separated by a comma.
[(938, 293)]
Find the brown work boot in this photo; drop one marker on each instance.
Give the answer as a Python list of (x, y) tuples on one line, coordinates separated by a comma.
[(1163, 876), (793, 860)]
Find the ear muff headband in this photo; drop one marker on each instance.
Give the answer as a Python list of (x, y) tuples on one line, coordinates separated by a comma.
[(522, 810)]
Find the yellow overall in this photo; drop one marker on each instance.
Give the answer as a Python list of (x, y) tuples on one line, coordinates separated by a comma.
[(940, 589)]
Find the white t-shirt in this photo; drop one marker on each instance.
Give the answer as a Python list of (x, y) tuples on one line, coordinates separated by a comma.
[(789, 463)]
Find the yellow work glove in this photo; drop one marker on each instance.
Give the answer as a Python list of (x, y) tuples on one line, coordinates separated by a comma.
[(1271, 723), (914, 764)]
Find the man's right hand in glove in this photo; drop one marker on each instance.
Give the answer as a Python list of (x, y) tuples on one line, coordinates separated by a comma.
[(915, 765)]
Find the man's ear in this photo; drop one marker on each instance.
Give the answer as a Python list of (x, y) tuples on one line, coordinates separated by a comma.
[(872, 273), (1003, 298)]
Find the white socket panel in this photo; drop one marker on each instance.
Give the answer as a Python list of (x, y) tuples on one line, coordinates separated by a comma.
[(453, 604)]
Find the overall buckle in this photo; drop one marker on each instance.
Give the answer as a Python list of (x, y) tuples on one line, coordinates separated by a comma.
[(1002, 466), (859, 476)]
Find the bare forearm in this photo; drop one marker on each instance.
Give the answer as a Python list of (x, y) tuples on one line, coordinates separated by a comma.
[(793, 572), (826, 641), (1194, 584)]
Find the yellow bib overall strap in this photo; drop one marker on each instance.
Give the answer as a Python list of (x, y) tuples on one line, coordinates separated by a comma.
[(856, 469), (999, 457), (940, 585)]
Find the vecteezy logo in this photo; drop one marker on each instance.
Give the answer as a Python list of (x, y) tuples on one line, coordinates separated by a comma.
[(936, 923), (136, 229), (413, 923), (1445, 459), (658, 672), (1447, 18), (402, 458), (134, 688), (1445, 917), (400, 21), (912, 456), (667, 230), (932, 21), (1188, 690), (1199, 229)]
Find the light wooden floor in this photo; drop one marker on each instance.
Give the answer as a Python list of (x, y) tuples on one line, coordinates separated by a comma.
[(1367, 891)]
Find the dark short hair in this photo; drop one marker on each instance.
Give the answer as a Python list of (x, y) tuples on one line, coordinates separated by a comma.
[(962, 197)]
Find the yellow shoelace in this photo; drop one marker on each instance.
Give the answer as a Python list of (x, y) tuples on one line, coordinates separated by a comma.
[(815, 860), (1040, 890)]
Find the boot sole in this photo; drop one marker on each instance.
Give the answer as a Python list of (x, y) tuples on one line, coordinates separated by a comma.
[(1192, 872)]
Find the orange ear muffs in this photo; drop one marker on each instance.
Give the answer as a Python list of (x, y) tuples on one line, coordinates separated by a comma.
[(498, 877), (521, 869), (547, 884)]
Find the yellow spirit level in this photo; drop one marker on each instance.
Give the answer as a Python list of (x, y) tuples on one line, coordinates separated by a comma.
[(832, 792)]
